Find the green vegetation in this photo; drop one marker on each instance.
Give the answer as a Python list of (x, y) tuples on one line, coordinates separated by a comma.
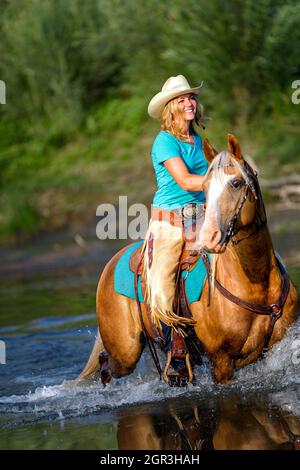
[(73, 435), (79, 75)]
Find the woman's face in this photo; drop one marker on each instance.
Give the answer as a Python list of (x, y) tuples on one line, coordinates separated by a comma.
[(187, 105)]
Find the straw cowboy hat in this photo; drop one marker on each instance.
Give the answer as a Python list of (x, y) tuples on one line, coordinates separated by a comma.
[(174, 86)]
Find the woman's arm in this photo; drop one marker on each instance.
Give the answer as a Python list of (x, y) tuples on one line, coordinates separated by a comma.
[(176, 167)]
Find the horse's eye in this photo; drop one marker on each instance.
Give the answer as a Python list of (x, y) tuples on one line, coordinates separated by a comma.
[(236, 184)]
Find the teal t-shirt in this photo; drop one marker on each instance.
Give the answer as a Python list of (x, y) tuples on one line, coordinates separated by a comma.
[(169, 194)]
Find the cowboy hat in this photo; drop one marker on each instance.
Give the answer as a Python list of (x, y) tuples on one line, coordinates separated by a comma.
[(174, 86)]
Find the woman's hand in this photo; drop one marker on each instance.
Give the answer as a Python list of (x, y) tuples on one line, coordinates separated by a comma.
[(187, 181)]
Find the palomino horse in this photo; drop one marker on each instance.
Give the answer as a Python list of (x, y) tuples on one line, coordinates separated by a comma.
[(252, 302)]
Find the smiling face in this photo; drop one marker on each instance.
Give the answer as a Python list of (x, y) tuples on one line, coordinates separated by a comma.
[(187, 104), (180, 114)]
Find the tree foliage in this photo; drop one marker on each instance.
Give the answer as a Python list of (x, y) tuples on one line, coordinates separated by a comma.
[(69, 55), (79, 75)]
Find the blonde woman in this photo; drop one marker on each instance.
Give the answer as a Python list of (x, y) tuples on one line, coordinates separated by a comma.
[(179, 166)]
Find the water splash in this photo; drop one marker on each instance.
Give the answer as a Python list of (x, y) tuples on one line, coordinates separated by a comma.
[(276, 376)]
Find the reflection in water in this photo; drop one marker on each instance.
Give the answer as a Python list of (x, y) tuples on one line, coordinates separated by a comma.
[(229, 425), (228, 422)]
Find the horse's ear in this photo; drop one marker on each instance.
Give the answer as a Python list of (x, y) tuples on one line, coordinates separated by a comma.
[(209, 151), (234, 147)]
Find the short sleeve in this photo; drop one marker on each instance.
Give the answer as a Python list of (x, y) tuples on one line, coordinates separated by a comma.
[(165, 147)]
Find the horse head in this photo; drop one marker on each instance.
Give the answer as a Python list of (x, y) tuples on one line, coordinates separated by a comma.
[(233, 197)]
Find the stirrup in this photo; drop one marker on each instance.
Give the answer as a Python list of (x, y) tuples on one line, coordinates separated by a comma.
[(183, 373)]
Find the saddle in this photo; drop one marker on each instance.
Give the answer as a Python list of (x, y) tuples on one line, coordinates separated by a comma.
[(182, 351), (188, 259)]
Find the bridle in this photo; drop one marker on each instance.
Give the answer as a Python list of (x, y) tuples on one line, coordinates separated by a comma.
[(232, 227), (274, 311)]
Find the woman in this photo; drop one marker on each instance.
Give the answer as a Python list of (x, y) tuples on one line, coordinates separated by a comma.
[(180, 167)]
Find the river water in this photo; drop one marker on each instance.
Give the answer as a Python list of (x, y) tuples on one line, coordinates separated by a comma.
[(48, 327)]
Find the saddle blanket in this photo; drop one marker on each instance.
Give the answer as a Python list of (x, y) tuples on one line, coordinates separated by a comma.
[(124, 278)]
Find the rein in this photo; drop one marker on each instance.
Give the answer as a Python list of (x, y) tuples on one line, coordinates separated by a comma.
[(273, 310), (258, 227)]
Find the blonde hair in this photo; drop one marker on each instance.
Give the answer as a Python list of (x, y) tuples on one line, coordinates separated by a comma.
[(172, 119)]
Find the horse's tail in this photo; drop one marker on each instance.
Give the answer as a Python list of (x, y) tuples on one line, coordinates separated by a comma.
[(93, 365)]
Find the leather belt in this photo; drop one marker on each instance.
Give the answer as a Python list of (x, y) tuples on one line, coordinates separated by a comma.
[(176, 217)]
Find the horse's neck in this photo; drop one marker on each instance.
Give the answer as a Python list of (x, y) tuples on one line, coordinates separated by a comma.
[(251, 263)]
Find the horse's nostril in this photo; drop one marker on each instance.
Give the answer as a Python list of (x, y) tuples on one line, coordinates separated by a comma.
[(216, 237)]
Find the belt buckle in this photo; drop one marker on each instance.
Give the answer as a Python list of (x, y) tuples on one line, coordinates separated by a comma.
[(190, 210)]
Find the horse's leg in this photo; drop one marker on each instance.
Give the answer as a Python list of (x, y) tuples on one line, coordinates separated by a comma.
[(138, 432), (119, 327), (223, 366), (253, 347), (249, 358), (290, 314), (212, 338)]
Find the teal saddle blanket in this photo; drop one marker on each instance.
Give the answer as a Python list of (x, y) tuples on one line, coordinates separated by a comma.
[(124, 278)]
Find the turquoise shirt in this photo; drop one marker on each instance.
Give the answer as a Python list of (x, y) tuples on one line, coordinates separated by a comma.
[(169, 194)]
